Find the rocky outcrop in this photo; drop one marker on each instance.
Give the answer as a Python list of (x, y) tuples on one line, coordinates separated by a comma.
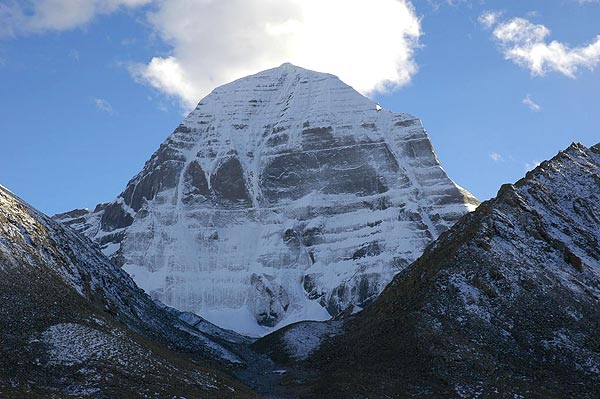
[(503, 305), (289, 178)]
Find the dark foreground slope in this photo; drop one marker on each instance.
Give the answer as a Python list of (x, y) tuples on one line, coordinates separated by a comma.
[(71, 324), (503, 305)]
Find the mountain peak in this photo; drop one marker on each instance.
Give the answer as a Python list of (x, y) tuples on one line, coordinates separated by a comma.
[(289, 67), (284, 196), (272, 86), (288, 78)]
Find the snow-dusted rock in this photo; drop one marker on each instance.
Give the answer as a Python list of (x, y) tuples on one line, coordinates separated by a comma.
[(503, 305), (283, 196), (72, 324)]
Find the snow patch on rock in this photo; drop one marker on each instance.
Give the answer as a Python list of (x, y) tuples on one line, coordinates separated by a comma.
[(73, 344), (302, 339)]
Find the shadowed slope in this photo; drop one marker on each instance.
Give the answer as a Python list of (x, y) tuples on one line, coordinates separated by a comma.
[(504, 305), (73, 324)]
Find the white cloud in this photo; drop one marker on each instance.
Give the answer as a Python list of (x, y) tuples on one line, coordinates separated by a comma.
[(524, 43), (489, 18), (496, 157), (528, 101), (166, 75), (103, 105), (436, 4), (370, 45), (36, 16)]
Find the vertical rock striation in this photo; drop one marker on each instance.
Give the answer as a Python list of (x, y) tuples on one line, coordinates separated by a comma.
[(283, 196)]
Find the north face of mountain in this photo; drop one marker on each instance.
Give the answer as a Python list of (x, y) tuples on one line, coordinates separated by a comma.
[(72, 324), (283, 196), (503, 305)]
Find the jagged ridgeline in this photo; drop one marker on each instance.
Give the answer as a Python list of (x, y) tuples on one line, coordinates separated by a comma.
[(283, 196), (506, 304)]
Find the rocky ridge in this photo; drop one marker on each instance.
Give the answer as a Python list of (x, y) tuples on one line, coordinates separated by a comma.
[(503, 305), (75, 325)]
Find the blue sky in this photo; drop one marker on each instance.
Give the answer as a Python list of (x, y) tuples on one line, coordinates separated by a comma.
[(88, 93)]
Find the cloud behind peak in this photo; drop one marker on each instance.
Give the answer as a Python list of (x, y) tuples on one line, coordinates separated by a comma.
[(369, 45)]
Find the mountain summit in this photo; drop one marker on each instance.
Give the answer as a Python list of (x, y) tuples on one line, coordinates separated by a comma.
[(283, 196)]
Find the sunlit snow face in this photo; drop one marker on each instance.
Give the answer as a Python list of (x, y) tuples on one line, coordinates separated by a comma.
[(369, 45)]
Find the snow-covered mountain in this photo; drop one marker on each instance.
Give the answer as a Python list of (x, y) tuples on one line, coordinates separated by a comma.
[(72, 324), (283, 196), (506, 304)]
